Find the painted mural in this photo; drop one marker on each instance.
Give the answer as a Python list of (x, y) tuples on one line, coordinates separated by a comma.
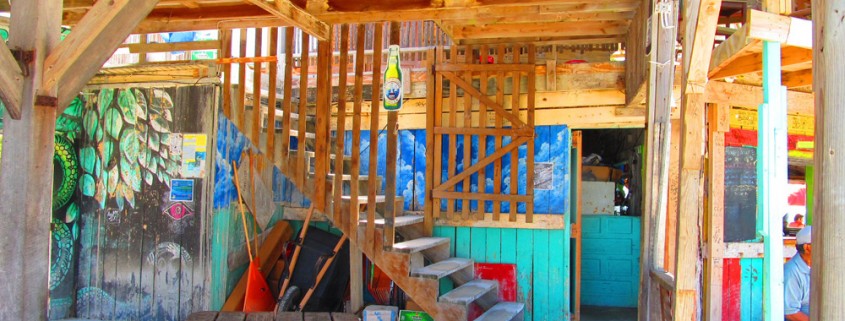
[(228, 250), (552, 150), (141, 255)]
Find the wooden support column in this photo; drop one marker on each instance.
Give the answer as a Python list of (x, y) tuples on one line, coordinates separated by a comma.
[(772, 179), (11, 81), (700, 31), (658, 142), (390, 163), (356, 283), (374, 129), (828, 290), (718, 118), (26, 178), (431, 121), (321, 151)]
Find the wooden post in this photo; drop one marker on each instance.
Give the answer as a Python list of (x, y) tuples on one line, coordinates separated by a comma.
[(356, 283), (828, 290), (340, 133), (718, 125), (698, 47), (321, 151), (240, 118), (302, 167), (374, 128), (771, 179), (225, 52), (256, 90), (390, 162), (271, 95), (26, 182), (658, 142), (431, 121), (287, 109)]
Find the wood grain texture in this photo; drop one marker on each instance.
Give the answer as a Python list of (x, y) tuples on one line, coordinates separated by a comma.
[(255, 135), (340, 140), (28, 165), (390, 208), (715, 211), (374, 128), (828, 52), (287, 108), (515, 106), (529, 157), (467, 113), (431, 122), (302, 167), (271, 96), (225, 52), (497, 141), (11, 82), (240, 105)]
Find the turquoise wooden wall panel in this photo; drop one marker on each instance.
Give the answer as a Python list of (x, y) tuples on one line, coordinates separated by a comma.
[(610, 264), (751, 302), (541, 258)]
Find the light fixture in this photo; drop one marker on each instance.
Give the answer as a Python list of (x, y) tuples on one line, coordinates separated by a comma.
[(618, 55)]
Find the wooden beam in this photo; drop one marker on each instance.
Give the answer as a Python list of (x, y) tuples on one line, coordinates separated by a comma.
[(801, 78), (475, 12), (798, 103), (143, 48), (11, 82), (26, 178), (555, 29), (829, 37), (750, 63), (293, 15), (76, 59), (570, 16), (700, 28)]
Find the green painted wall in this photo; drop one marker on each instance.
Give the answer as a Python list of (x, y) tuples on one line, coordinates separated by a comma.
[(542, 259)]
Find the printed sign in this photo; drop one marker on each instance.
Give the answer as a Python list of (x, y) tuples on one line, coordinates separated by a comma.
[(182, 190), (194, 155)]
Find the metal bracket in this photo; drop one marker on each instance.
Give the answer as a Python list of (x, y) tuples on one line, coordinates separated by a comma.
[(24, 58), (46, 101)]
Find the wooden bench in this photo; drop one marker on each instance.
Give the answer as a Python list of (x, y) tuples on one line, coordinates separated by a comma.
[(270, 316)]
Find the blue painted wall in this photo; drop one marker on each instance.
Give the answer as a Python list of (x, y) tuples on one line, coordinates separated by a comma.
[(611, 260)]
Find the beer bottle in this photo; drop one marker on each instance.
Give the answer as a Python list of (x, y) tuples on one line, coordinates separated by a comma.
[(393, 80)]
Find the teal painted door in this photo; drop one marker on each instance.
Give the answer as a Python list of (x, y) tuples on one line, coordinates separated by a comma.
[(610, 261)]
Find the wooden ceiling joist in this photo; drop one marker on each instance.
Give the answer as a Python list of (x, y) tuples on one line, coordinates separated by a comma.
[(559, 17), (752, 62), (591, 40), (83, 52), (295, 16), (558, 29), (11, 81)]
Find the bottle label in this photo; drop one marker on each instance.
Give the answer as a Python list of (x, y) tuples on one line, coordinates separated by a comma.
[(392, 93)]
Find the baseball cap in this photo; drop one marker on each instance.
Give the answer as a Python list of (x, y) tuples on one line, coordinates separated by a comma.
[(804, 236)]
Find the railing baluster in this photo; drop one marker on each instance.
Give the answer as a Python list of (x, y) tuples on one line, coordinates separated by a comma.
[(374, 129), (302, 168), (271, 95), (341, 125), (286, 102), (356, 132)]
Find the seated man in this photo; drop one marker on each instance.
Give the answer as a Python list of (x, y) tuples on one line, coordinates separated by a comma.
[(796, 279), (798, 222)]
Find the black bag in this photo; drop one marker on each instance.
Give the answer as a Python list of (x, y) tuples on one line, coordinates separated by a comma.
[(316, 250)]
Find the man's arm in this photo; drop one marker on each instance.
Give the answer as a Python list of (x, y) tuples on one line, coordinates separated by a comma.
[(800, 316)]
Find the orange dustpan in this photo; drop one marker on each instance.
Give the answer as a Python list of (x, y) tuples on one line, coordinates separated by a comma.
[(258, 296)]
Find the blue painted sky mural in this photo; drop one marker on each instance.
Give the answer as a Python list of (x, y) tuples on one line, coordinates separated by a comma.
[(552, 146)]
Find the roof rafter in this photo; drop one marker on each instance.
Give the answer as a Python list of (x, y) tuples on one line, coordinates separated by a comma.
[(76, 59), (293, 15), (11, 81)]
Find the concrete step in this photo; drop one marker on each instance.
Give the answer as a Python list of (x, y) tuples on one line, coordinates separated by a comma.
[(404, 220), (503, 311), (442, 269), (420, 244), (469, 292)]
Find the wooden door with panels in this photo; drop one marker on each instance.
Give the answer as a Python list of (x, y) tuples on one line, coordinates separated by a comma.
[(484, 102)]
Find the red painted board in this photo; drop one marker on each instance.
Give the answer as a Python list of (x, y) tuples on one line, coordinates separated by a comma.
[(743, 137), (731, 290), (504, 273)]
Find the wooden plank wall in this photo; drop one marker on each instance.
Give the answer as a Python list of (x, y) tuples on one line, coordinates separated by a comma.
[(142, 257)]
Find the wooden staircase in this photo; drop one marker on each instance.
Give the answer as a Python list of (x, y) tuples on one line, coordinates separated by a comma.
[(400, 245)]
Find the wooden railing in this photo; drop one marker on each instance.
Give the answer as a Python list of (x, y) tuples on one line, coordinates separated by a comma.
[(666, 285)]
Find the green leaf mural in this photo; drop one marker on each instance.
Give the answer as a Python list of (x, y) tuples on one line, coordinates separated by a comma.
[(104, 99), (128, 144)]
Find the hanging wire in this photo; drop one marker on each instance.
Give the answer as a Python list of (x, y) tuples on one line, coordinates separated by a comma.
[(665, 11)]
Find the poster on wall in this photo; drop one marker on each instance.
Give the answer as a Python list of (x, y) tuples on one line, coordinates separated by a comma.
[(194, 155), (182, 190)]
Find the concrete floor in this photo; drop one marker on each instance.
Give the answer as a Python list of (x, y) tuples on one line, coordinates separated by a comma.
[(595, 313)]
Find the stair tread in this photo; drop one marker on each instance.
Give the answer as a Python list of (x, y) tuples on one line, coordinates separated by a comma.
[(404, 220), (364, 199), (345, 177), (442, 269), (420, 244), (502, 311), (469, 292), (308, 135)]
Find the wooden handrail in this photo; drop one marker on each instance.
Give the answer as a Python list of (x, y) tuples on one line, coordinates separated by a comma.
[(665, 279)]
